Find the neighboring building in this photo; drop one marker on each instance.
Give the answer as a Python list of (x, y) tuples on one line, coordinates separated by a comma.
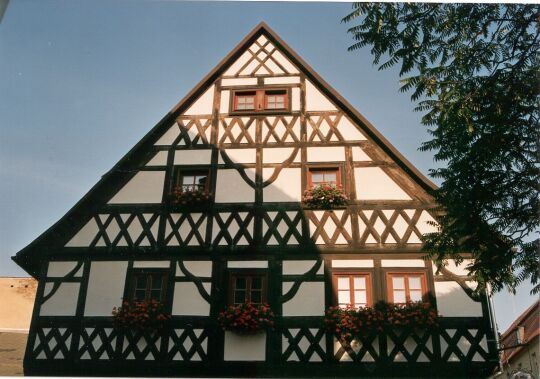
[(521, 346), (256, 132), (17, 296)]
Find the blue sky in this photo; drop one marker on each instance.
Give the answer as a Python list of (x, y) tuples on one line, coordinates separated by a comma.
[(82, 81)]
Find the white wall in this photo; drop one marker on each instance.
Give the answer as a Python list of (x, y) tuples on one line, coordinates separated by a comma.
[(452, 301), (105, 287), (188, 301), (63, 302), (286, 187), (231, 188), (308, 301), (372, 183), (144, 187)]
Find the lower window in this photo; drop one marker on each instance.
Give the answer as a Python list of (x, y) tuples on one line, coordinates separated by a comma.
[(247, 288), (352, 290), (149, 285), (406, 287)]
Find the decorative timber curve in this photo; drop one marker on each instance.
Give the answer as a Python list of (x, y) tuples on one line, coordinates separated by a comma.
[(449, 275), (56, 284), (278, 169), (196, 280), (309, 275)]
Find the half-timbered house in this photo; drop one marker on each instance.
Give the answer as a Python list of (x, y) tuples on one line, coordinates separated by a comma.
[(255, 133)]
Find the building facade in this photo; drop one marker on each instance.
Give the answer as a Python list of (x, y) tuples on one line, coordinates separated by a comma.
[(254, 134)]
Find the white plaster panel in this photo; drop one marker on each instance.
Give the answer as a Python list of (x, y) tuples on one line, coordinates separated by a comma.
[(279, 154), (315, 100), (224, 101), (63, 302), (105, 287), (191, 157), (239, 155), (151, 264), (231, 188), (286, 187), (308, 301), (284, 62), (282, 80), (187, 300), (457, 269), (245, 347), (325, 154), (203, 105), (144, 187), (202, 269), (160, 159), (360, 263), (169, 136), (61, 269), (452, 301), (402, 263), (372, 183), (359, 155), (297, 267), (237, 65), (349, 131), (247, 264), (295, 99), (424, 223), (85, 235), (239, 82)]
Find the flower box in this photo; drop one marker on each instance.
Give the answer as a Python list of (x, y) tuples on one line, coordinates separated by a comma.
[(349, 323), (148, 315), (189, 196), (324, 196), (247, 318)]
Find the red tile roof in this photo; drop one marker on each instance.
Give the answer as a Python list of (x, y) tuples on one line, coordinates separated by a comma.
[(530, 320)]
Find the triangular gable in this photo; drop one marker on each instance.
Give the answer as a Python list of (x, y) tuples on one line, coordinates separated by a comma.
[(259, 53)]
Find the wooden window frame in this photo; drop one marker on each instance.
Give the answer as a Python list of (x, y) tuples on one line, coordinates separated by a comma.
[(260, 100), (180, 172), (137, 272), (311, 169), (247, 274), (423, 282), (350, 274)]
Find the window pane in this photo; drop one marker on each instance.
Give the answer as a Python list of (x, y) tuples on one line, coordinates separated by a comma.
[(344, 297), (415, 295), (330, 177), (399, 297), (140, 282), (239, 297), (343, 283), (317, 177), (398, 282), (256, 283), (155, 294), (415, 283), (240, 283), (256, 297), (188, 179), (359, 282), (140, 294), (156, 281), (360, 297)]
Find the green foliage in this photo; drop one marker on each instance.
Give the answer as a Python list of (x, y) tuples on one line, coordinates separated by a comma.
[(473, 68)]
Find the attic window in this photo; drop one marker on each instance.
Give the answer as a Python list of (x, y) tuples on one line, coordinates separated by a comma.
[(327, 175), (270, 100), (191, 180)]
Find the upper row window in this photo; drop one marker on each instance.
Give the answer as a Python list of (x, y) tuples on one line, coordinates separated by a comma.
[(260, 100)]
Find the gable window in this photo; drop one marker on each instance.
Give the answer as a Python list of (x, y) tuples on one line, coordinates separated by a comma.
[(190, 181), (406, 287), (260, 100), (149, 285), (352, 289), (247, 288), (327, 175)]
